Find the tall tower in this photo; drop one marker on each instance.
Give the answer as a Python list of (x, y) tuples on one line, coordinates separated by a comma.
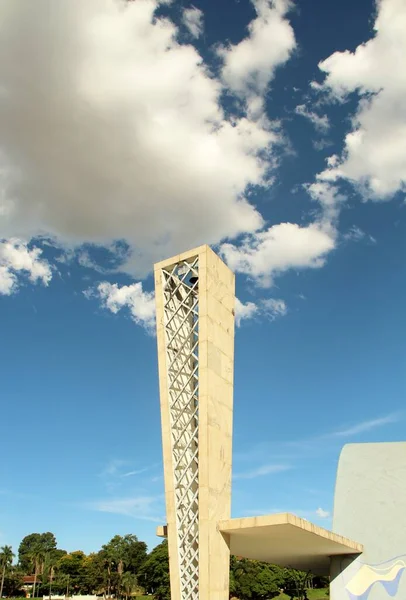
[(195, 329)]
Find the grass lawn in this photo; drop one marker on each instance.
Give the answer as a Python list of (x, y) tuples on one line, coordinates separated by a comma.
[(316, 594)]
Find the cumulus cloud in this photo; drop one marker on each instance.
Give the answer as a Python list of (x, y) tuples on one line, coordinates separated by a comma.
[(285, 246), (111, 129), (374, 156), (320, 122), (7, 281), (192, 18), (329, 197), (16, 258), (244, 311), (141, 304), (272, 308), (249, 66)]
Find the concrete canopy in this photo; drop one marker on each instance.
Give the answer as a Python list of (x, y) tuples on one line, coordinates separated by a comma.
[(286, 540)]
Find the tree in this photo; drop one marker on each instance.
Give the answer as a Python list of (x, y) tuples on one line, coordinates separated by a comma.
[(13, 583), (73, 565), (36, 555), (126, 551), (136, 553), (297, 583), (6, 559), (154, 573), (129, 584), (45, 541), (254, 580), (321, 581), (51, 562), (122, 552), (93, 574)]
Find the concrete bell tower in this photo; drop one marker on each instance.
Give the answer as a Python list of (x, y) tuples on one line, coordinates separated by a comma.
[(195, 301)]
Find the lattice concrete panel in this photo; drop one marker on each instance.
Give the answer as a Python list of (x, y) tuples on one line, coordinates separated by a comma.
[(181, 323)]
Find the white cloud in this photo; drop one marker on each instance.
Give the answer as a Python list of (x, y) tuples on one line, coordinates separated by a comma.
[(274, 308), (368, 425), (17, 258), (285, 246), (192, 18), (249, 66), (320, 122), (138, 507), (7, 281), (356, 234), (114, 130), (85, 260), (113, 467), (135, 472), (271, 308), (329, 198), (118, 473), (374, 156), (140, 304), (321, 144), (323, 514), (244, 311), (262, 471), (130, 141)]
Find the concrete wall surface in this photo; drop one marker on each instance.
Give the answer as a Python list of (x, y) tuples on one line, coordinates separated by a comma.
[(370, 508)]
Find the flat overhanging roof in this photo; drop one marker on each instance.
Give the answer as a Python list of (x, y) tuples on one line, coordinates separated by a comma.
[(286, 540)]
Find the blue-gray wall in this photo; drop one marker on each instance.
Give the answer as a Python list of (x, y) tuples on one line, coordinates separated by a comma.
[(370, 508)]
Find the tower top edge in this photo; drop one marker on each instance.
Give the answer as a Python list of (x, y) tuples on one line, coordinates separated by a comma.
[(198, 251)]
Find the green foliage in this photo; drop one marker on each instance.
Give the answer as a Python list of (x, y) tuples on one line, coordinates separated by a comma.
[(128, 584), (6, 556), (38, 544), (13, 582), (125, 551), (296, 583), (6, 559), (122, 553), (154, 573), (321, 581), (93, 576), (254, 580), (71, 569), (123, 568)]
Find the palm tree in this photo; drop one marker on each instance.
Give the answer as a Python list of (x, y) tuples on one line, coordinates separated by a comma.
[(50, 564), (6, 559), (128, 583), (37, 557)]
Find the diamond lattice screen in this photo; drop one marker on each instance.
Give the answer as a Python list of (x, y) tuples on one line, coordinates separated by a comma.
[(181, 310)]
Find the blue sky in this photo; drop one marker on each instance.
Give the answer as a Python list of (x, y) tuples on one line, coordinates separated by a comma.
[(276, 132)]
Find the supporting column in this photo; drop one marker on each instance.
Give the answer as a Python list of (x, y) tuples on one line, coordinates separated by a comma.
[(195, 329)]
